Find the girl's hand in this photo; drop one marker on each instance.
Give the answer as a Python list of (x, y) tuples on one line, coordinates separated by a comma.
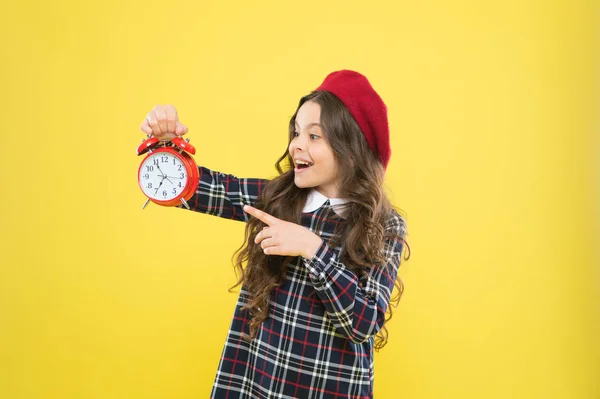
[(284, 238), (163, 123)]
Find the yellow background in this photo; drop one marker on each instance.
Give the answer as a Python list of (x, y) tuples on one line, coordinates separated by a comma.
[(494, 119)]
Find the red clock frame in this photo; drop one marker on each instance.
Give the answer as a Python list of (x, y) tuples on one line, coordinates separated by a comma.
[(153, 146)]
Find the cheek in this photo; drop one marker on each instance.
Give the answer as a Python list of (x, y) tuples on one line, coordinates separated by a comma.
[(327, 158), (321, 154)]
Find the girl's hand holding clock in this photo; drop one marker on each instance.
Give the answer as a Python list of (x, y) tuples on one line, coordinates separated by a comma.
[(163, 123)]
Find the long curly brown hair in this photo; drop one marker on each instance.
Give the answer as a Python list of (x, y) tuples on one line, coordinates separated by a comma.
[(362, 232)]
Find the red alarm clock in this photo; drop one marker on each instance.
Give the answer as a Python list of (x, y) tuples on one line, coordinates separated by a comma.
[(168, 175)]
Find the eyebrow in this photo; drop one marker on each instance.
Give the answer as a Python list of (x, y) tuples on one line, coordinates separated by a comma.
[(310, 125)]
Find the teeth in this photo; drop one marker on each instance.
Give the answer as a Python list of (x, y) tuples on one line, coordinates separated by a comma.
[(302, 163)]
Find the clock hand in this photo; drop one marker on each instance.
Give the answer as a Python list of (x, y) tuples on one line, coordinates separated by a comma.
[(164, 176), (161, 182)]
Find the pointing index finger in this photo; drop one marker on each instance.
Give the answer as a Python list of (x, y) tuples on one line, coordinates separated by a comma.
[(262, 216)]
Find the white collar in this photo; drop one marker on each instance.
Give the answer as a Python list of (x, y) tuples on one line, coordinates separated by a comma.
[(315, 200)]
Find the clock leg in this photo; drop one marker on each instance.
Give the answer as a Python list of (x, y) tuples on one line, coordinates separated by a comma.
[(185, 203), (146, 203)]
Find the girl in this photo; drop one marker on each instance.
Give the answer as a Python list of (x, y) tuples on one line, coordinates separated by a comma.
[(322, 246)]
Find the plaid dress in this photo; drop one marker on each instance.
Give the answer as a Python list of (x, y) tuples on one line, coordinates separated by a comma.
[(318, 339)]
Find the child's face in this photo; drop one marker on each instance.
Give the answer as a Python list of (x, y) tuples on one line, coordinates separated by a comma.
[(310, 145)]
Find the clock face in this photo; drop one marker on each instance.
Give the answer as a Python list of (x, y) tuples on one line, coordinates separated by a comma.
[(162, 176)]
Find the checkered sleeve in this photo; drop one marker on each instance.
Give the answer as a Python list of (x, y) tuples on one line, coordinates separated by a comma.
[(224, 195), (356, 307)]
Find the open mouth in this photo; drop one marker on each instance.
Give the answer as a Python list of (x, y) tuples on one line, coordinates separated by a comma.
[(302, 166)]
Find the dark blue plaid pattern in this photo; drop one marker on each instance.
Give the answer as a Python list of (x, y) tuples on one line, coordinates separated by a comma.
[(318, 339)]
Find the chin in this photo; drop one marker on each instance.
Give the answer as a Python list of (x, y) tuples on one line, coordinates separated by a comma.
[(301, 184)]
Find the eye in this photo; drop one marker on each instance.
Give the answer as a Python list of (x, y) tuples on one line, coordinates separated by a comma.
[(295, 134), (314, 136)]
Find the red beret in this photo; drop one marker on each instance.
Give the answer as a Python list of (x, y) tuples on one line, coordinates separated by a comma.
[(365, 105)]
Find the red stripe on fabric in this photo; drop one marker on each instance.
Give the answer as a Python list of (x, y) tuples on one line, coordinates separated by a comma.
[(307, 387)]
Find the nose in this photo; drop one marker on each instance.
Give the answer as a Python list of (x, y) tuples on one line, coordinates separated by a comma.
[(297, 144)]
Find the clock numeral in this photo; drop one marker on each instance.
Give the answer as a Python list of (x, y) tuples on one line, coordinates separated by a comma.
[(164, 159), (179, 184), (146, 176), (149, 185), (155, 161), (179, 168), (149, 168), (182, 175), (155, 190), (175, 190), (173, 161), (164, 193)]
